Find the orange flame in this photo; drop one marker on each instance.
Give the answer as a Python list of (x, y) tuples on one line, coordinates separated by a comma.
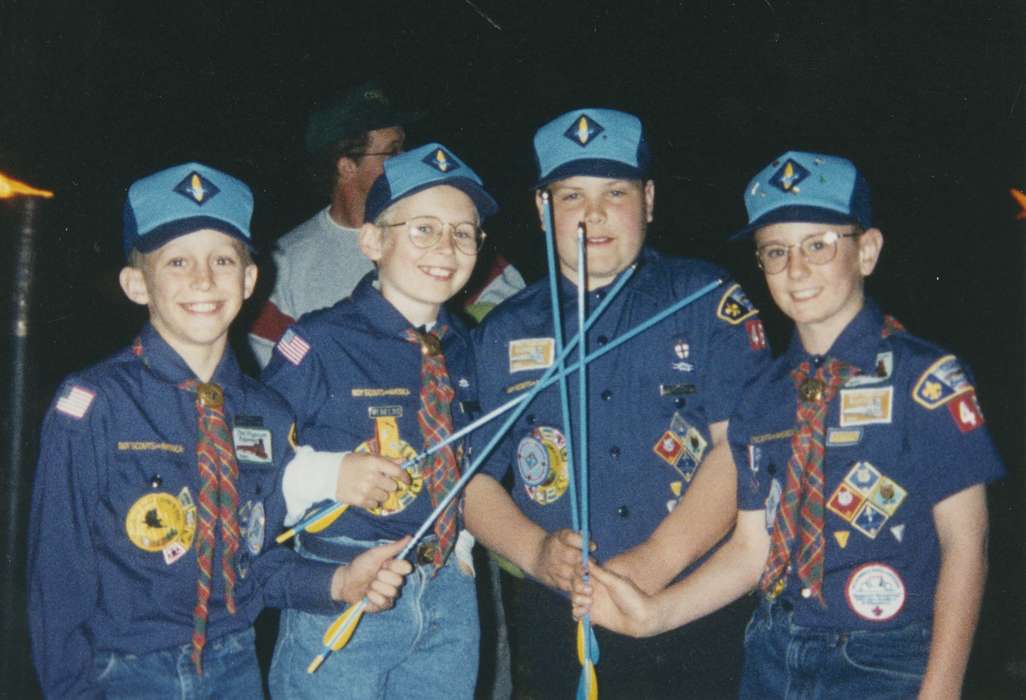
[(9, 188), (1020, 199)]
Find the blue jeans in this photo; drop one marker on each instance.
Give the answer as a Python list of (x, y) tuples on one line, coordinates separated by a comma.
[(230, 670), (425, 647), (785, 660)]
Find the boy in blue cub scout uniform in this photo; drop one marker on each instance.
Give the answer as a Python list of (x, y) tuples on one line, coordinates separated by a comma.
[(861, 463), (158, 492), (658, 407), (354, 374)]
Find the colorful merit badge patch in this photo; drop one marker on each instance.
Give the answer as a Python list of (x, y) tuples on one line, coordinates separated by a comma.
[(942, 381), (965, 410), (531, 353), (583, 131), (76, 402), (682, 447), (789, 176), (292, 347), (735, 306), (387, 443), (756, 334), (875, 592), (866, 499), (441, 161), (882, 370), (866, 406), (197, 189), (542, 464), (160, 522), (252, 444)]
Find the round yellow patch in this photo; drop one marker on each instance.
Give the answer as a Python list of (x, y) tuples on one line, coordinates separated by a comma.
[(155, 521), (399, 499)]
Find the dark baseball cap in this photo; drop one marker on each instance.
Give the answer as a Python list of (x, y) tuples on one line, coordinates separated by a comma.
[(362, 109)]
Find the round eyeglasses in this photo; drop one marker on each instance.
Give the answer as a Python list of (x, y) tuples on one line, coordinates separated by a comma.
[(426, 231), (816, 249)]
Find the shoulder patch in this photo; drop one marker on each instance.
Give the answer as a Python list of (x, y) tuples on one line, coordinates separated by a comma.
[(75, 401), (735, 306), (293, 347), (942, 381)]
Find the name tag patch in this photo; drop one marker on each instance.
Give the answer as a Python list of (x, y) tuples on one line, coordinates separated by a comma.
[(866, 406), (842, 437), (531, 353), (252, 444)]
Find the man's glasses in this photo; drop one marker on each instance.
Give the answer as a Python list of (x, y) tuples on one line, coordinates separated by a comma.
[(426, 231), (393, 151), (817, 249)]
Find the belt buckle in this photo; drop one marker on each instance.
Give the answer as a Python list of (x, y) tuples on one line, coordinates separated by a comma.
[(426, 553)]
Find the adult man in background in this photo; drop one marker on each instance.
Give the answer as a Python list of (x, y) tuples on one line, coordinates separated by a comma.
[(318, 262)]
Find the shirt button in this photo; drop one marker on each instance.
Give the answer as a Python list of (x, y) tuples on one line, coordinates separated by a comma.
[(623, 511), (156, 480), (600, 294), (601, 340), (679, 402), (606, 395), (614, 452), (806, 592), (531, 419)]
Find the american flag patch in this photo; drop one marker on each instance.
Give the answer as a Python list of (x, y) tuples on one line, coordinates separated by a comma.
[(76, 402), (293, 347)]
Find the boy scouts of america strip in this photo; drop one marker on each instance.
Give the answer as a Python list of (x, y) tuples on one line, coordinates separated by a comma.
[(293, 347), (76, 402)]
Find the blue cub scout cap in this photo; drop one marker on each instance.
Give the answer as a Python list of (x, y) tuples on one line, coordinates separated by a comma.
[(183, 199), (424, 167), (810, 188), (591, 141)]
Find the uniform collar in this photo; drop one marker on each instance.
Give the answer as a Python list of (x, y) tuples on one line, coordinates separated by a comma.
[(568, 290), (857, 345), (161, 359), (382, 316)]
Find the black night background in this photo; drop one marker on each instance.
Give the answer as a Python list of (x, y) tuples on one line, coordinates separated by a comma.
[(926, 98)]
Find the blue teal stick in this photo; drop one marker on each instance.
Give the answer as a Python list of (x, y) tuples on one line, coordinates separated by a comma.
[(582, 382), (557, 334)]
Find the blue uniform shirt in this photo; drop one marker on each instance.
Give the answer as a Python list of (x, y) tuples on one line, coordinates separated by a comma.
[(112, 565), (901, 436), (354, 380), (650, 401)]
